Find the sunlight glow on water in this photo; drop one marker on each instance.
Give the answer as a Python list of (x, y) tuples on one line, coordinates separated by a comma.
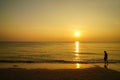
[(77, 46), (77, 58), (59, 52)]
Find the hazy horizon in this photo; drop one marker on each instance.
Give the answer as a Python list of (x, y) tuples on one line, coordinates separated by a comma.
[(58, 20)]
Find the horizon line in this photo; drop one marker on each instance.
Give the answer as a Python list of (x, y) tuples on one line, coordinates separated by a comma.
[(61, 41)]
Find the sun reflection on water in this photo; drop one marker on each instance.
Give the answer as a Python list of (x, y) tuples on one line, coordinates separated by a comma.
[(77, 56), (76, 51), (77, 46)]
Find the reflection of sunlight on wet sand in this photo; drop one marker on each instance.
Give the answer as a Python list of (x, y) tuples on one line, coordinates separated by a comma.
[(49, 66), (78, 65)]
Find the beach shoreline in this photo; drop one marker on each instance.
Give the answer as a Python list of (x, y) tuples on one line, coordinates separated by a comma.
[(91, 73), (53, 66)]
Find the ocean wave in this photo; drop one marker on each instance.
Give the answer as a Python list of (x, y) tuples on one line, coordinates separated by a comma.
[(58, 61)]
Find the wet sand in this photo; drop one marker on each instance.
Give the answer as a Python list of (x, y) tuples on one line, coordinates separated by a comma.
[(91, 73)]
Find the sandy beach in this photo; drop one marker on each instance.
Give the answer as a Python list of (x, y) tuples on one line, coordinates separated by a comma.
[(90, 73)]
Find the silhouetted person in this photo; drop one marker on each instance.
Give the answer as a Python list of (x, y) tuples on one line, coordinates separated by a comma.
[(105, 57)]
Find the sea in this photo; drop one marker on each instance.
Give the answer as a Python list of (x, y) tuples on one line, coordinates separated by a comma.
[(59, 52)]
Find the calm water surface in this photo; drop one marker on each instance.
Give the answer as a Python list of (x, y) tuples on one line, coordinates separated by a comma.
[(59, 52)]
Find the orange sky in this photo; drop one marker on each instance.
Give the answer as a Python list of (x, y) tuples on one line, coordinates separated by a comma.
[(57, 20)]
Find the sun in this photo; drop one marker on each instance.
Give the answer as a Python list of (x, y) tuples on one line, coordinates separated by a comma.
[(77, 33)]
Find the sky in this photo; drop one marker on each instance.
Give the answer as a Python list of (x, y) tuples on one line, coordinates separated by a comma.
[(57, 20)]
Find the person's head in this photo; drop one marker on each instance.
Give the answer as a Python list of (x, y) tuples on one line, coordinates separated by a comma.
[(104, 51)]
